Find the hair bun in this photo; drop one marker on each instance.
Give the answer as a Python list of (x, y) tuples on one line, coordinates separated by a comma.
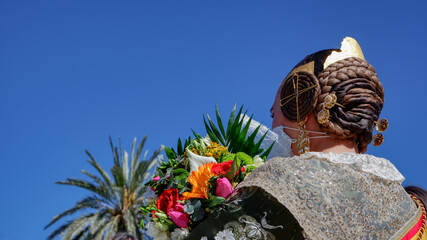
[(358, 89), (304, 87)]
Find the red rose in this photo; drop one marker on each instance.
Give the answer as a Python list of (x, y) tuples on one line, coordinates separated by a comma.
[(168, 203), (167, 199), (221, 168), (224, 167)]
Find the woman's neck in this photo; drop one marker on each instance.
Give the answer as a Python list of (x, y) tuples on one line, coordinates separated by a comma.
[(333, 145)]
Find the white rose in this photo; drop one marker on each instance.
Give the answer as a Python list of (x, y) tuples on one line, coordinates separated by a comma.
[(258, 161), (180, 234), (152, 230)]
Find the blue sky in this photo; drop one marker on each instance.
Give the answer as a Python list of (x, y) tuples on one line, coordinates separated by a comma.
[(74, 72)]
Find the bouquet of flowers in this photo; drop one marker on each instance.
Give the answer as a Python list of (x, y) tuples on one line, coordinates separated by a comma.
[(200, 174)]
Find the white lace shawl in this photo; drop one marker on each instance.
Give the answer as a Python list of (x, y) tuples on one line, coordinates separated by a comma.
[(338, 196)]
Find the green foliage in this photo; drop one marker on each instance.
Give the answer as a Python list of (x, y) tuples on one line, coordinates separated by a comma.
[(228, 157), (194, 207), (171, 172), (235, 136), (114, 202), (243, 159)]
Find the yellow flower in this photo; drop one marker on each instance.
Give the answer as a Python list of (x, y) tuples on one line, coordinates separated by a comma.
[(199, 180)]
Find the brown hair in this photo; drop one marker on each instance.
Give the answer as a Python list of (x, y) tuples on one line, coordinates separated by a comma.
[(417, 192), (360, 96)]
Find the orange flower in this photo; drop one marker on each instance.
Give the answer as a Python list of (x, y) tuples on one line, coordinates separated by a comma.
[(199, 180)]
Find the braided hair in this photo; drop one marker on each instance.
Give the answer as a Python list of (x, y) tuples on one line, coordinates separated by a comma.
[(360, 96)]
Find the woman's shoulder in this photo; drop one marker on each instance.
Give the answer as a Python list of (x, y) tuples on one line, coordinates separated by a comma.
[(350, 195)]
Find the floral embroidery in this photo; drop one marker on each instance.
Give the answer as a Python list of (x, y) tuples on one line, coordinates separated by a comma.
[(227, 234)]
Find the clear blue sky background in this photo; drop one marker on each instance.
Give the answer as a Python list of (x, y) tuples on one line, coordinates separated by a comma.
[(74, 72)]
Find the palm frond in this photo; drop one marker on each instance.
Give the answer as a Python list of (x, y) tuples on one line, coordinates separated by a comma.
[(131, 224), (100, 170), (88, 202), (115, 152), (86, 185), (100, 220), (135, 159), (59, 230), (77, 226), (82, 235), (112, 227), (115, 200), (125, 167), (107, 199)]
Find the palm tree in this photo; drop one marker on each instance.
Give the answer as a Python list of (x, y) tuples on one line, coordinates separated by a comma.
[(114, 203)]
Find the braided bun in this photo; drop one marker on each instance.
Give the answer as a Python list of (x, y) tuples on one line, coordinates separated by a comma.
[(358, 89)]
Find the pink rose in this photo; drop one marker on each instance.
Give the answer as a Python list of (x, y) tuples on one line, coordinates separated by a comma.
[(178, 216), (223, 187), (155, 179)]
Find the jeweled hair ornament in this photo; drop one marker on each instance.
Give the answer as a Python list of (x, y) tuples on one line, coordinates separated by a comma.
[(329, 102), (380, 126)]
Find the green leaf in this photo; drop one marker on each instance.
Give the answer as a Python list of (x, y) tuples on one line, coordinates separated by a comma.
[(197, 136), (169, 153), (265, 154), (230, 122), (198, 211), (180, 171), (242, 135), (215, 130), (180, 148), (211, 134), (218, 119), (232, 172), (214, 201), (250, 142)]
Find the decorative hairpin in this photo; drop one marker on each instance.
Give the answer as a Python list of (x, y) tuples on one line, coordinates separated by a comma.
[(329, 102), (297, 92), (380, 126), (303, 140)]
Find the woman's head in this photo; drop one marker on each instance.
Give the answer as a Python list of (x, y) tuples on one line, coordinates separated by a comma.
[(341, 73)]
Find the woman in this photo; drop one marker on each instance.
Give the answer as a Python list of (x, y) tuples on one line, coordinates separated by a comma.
[(320, 185)]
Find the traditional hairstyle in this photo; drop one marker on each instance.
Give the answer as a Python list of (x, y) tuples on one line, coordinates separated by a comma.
[(344, 73)]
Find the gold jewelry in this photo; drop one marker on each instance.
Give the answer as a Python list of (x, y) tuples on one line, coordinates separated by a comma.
[(329, 102), (323, 116), (296, 93), (380, 126), (377, 139), (303, 141)]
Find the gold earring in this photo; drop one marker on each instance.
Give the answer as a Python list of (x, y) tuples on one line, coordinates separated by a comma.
[(303, 142), (380, 126)]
